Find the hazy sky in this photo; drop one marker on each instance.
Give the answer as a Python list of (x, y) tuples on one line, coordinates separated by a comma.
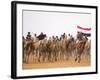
[(54, 23)]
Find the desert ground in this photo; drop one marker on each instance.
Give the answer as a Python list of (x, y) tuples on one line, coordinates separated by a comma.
[(86, 61)]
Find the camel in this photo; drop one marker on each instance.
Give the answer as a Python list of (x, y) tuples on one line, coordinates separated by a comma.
[(80, 48), (54, 48), (28, 48)]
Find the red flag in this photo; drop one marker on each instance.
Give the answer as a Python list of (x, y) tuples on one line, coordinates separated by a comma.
[(87, 29)]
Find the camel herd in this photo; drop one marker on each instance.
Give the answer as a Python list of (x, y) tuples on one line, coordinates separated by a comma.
[(54, 49)]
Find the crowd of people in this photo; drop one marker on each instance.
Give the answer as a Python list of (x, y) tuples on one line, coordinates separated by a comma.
[(55, 48)]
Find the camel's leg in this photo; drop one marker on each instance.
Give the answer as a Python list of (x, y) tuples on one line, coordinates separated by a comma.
[(34, 56), (27, 58), (43, 57), (79, 59), (62, 55), (55, 56), (39, 56), (50, 57), (23, 57), (28, 55), (58, 55), (76, 57)]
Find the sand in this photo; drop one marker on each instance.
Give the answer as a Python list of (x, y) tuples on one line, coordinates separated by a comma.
[(58, 64)]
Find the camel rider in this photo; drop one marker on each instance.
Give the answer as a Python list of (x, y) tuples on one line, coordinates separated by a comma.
[(28, 37), (79, 36)]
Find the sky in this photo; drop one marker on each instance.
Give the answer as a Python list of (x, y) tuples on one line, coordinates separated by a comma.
[(54, 23)]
